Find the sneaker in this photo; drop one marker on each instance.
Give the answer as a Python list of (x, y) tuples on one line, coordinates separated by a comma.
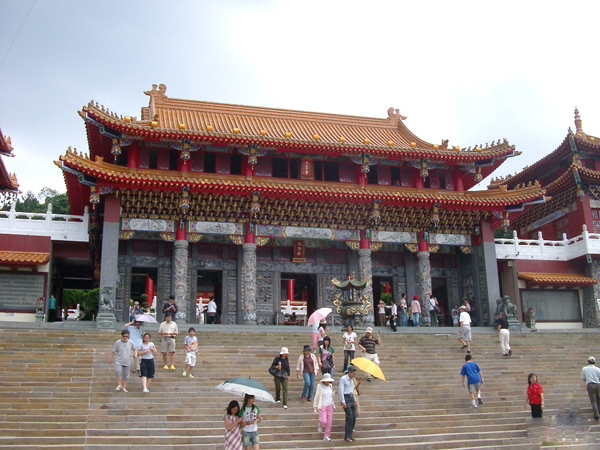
[(191, 376), (165, 367), (145, 390), (319, 429), (303, 399), (474, 406), (463, 347), (278, 401), (172, 367), (506, 354), (326, 438), (369, 379), (184, 373), (479, 400), (284, 406), (118, 388), (510, 352), (469, 351)]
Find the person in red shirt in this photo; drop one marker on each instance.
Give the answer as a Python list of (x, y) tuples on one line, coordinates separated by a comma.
[(535, 396)]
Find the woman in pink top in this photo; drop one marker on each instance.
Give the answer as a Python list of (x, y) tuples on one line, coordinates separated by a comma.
[(415, 308)]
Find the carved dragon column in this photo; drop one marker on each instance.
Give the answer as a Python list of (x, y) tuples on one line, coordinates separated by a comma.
[(180, 275), (109, 263), (365, 272), (424, 272), (249, 277)]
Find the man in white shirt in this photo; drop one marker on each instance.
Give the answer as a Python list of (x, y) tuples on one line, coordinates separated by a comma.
[(591, 375), (169, 331), (211, 311), (464, 329), (348, 401), (393, 315)]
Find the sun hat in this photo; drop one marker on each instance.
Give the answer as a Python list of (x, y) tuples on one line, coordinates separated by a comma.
[(416, 297), (592, 360), (136, 303), (326, 377), (284, 351), (369, 330), (463, 307)]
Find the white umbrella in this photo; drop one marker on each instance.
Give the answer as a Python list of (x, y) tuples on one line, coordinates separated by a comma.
[(318, 315), (145, 318), (242, 386)]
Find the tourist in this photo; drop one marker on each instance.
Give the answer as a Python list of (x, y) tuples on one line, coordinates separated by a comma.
[(591, 375), (147, 368), (250, 415), (503, 333), (308, 366), (323, 404), (170, 308), (211, 312), (135, 335), (367, 344), (535, 396), (191, 350), (349, 339), (232, 422), (393, 315), (464, 329), (199, 310), (455, 314), (52, 309), (281, 377), (323, 330), (415, 307), (472, 373), (169, 331), (404, 310), (135, 310), (466, 304), (434, 307), (326, 356), (123, 349), (314, 329), (348, 401), (381, 312)]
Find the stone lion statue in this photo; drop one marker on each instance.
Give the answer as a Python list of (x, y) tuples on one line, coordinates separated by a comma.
[(106, 303)]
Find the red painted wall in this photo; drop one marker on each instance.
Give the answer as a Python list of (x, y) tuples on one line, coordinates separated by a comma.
[(15, 243)]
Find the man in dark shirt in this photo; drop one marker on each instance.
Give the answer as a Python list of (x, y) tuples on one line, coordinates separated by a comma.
[(170, 308), (504, 334), (367, 344)]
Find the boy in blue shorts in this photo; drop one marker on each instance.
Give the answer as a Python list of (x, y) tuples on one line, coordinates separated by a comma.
[(471, 371)]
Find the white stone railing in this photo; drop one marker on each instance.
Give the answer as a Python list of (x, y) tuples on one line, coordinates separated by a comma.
[(541, 249), (60, 227)]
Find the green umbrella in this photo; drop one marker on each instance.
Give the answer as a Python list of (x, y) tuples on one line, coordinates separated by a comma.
[(242, 386)]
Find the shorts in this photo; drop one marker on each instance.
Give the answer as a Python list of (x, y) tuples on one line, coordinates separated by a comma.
[(147, 368), (122, 371), (250, 438), (190, 358), (371, 357), (474, 387), (465, 334), (167, 345)]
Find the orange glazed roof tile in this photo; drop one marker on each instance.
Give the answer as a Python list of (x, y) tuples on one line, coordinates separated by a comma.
[(226, 124), (555, 279), (29, 258)]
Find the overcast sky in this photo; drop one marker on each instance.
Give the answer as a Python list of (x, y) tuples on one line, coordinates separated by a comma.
[(470, 72)]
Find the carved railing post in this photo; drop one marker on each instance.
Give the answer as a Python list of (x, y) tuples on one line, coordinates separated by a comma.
[(249, 287)]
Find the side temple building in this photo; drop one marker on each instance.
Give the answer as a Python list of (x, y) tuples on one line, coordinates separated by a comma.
[(257, 205)]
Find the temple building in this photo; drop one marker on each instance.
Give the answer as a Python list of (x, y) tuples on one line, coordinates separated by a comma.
[(9, 187), (256, 206), (552, 261)]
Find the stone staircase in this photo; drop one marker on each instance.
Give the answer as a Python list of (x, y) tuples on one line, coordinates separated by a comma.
[(58, 392)]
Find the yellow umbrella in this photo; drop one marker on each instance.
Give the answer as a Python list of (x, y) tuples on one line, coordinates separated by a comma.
[(369, 367)]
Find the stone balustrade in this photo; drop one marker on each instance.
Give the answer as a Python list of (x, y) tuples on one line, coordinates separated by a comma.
[(60, 227), (546, 250)]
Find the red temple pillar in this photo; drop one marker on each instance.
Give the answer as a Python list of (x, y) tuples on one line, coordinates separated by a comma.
[(362, 177), (181, 233), (149, 288), (458, 180), (183, 165), (417, 179), (423, 244), (364, 240), (290, 290), (133, 155), (247, 168), (249, 237)]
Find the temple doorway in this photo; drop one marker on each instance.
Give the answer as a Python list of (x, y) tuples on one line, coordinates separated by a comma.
[(143, 281), (209, 284), (301, 290), (440, 291), (381, 285)]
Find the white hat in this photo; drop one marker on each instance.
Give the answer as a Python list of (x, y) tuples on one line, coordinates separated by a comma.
[(284, 351), (592, 360), (463, 307), (326, 377), (369, 330)]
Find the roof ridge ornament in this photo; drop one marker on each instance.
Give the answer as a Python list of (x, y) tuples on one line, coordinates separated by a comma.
[(578, 123), (394, 114), (157, 92)]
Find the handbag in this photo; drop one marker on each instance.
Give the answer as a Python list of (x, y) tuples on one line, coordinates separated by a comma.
[(436, 308), (327, 363), (273, 370)]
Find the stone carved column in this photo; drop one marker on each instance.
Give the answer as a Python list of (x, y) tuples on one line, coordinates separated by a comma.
[(109, 264), (365, 272), (249, 286), (424, 273), (180, 279), (590, 311)]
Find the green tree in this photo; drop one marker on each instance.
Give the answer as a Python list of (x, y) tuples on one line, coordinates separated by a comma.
[(31, 203)]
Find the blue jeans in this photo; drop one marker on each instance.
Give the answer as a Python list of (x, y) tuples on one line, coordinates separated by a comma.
[(348, 356), (415, 319), (309, 384), (404, 319)]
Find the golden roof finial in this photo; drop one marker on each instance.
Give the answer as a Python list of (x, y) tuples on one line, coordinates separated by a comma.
[(578, 126)]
